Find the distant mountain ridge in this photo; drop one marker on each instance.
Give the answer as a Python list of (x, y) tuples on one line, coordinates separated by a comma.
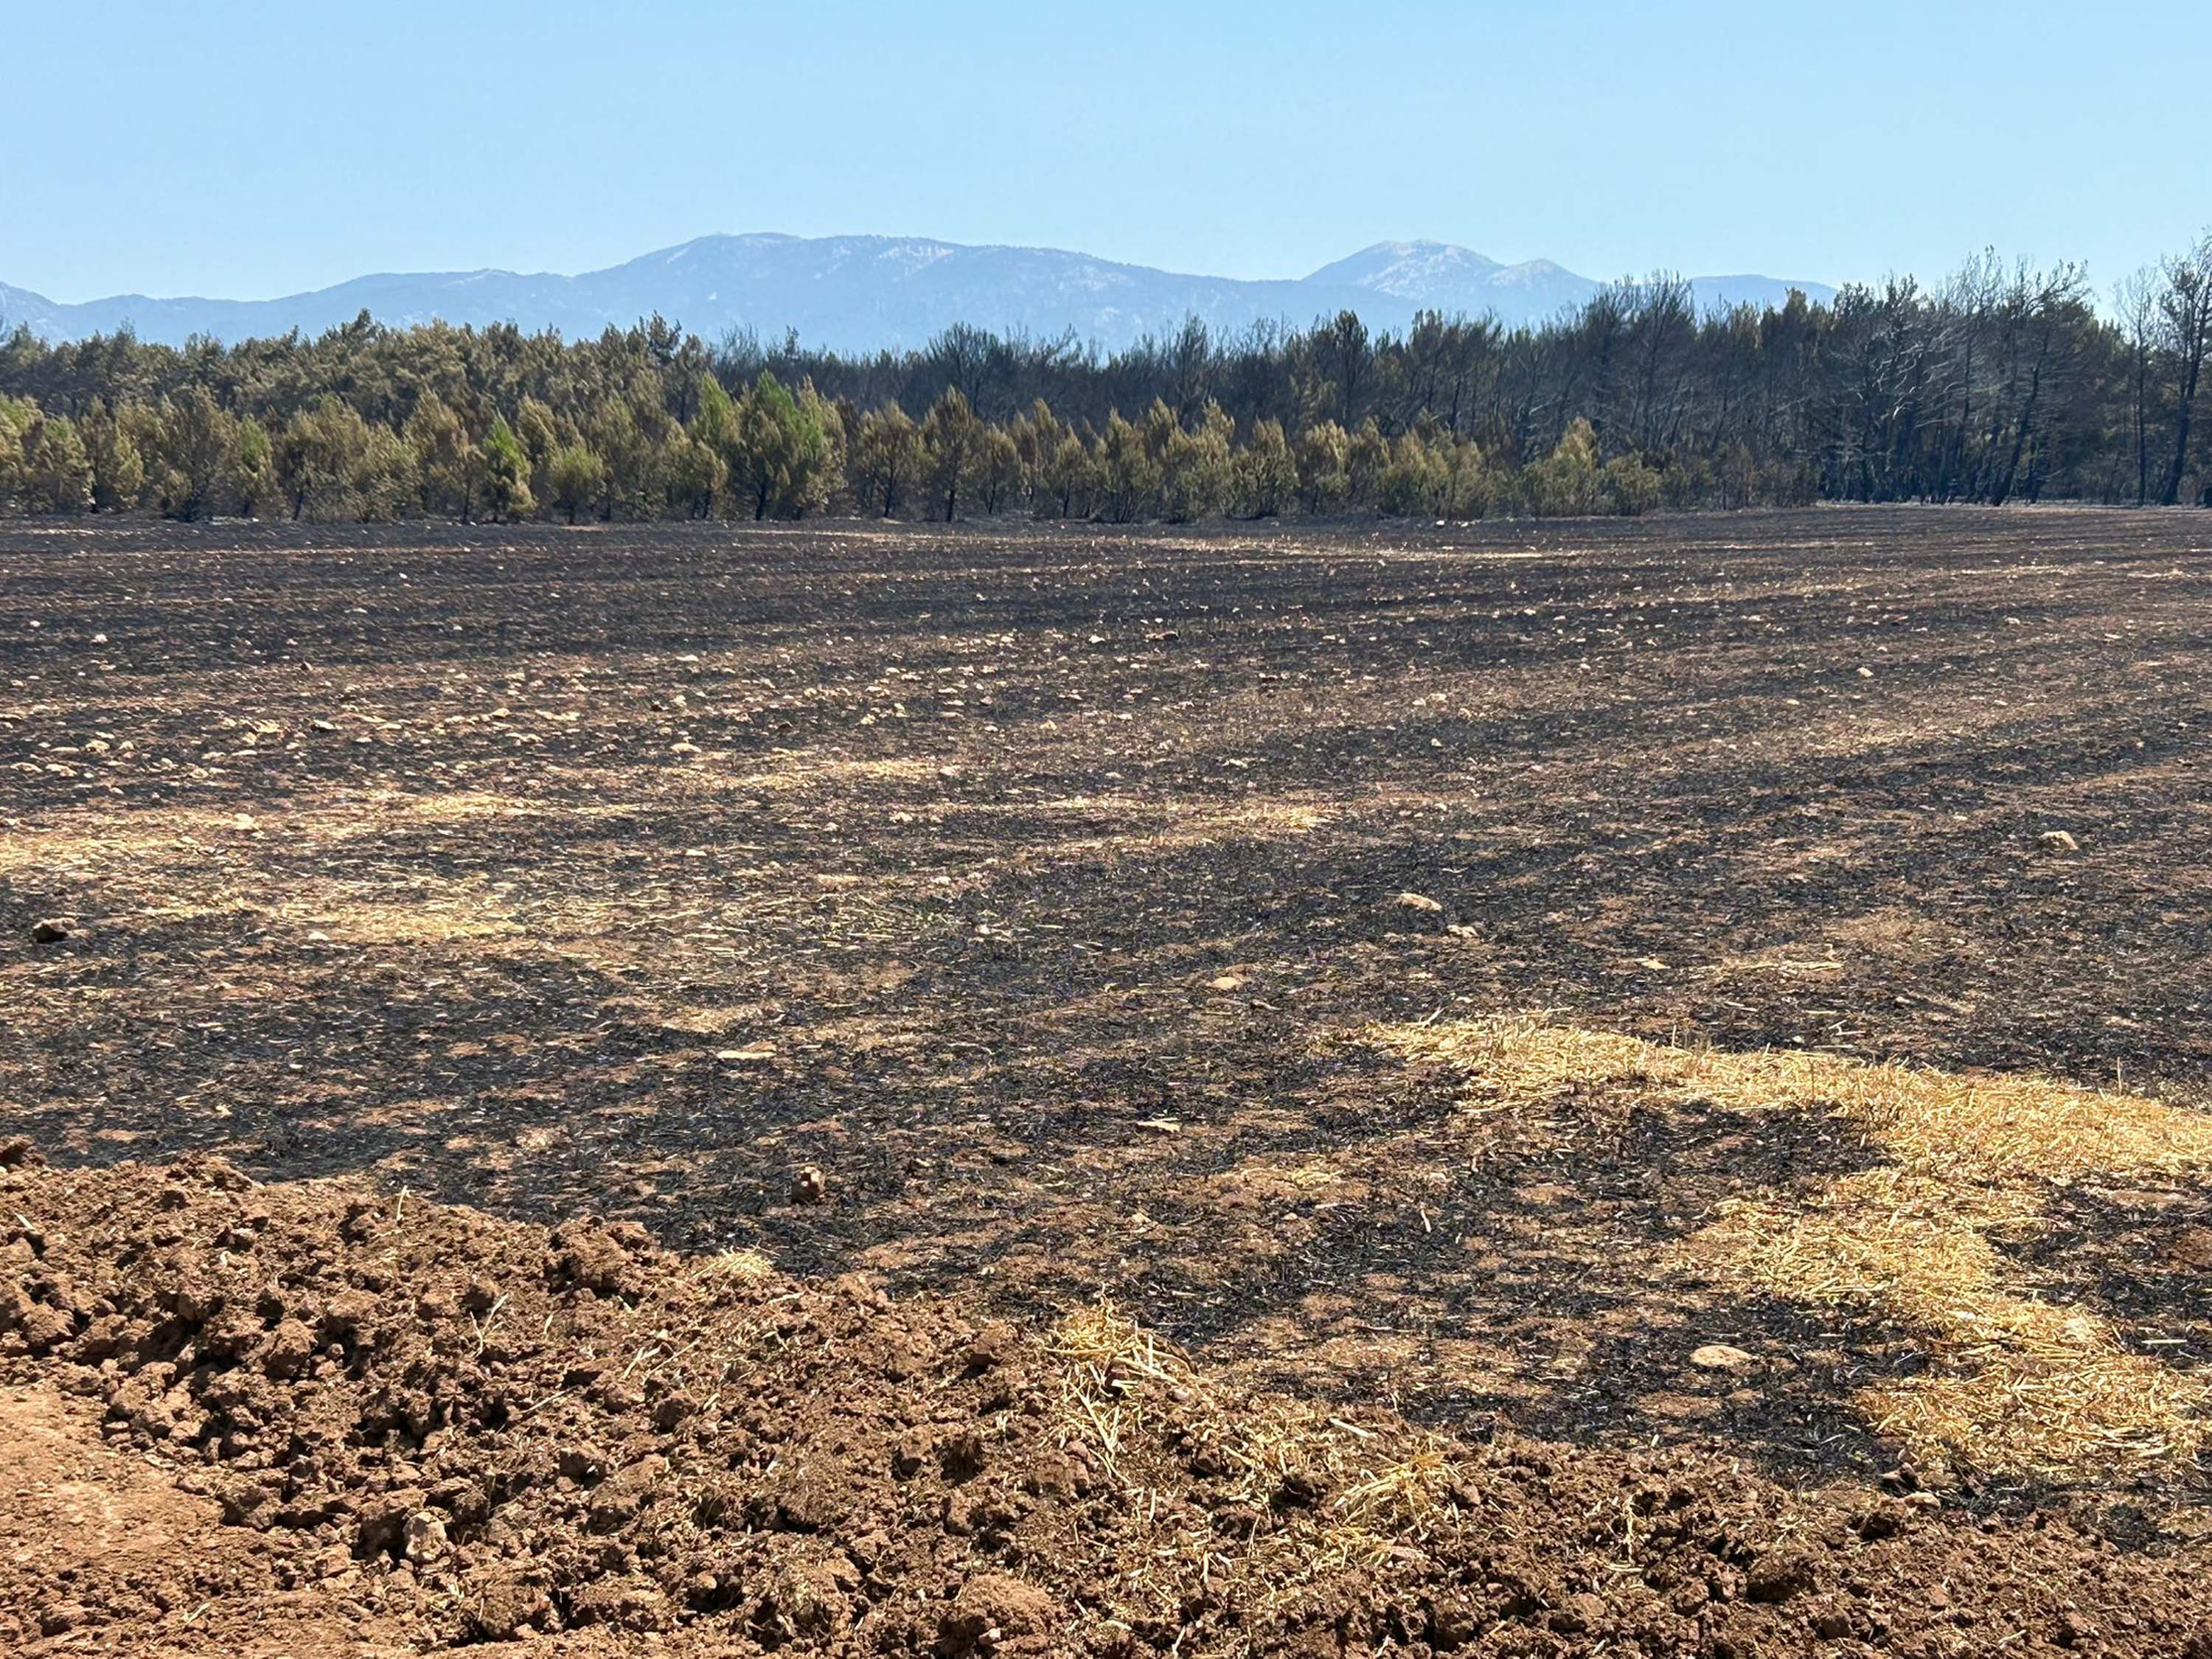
[(863, 293)]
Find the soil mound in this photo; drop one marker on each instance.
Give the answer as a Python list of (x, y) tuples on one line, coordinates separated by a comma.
[(410, 1427)]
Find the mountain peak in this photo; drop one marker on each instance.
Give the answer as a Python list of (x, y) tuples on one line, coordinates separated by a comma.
[(868, 293), (1406, 270)]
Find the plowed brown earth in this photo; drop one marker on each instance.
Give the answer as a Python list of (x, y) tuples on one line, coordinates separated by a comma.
[(449, 1430), (1047, 891)]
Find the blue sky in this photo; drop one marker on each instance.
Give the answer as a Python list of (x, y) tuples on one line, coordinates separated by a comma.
[(251, 149)]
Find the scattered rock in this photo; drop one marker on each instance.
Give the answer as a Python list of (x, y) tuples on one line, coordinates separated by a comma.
[(1721, 1357), (2058, 841), (425, 1536), (809, 1185), (1418, 902)]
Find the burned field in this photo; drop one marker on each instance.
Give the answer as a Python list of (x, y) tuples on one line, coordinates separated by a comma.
[(1726, 989)]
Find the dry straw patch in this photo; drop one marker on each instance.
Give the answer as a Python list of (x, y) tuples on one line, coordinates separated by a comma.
[(1371, 1489), (458, 916), (2021, 1387), (2026, 1387), (744, 1267)]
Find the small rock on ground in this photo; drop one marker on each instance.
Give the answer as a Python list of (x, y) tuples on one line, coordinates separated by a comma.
[(1721, 1357)]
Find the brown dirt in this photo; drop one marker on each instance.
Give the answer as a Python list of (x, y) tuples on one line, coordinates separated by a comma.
[(103, 1549), (333, 1421)]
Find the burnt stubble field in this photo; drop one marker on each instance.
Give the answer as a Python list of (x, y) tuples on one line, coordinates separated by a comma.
[(1086, 908)]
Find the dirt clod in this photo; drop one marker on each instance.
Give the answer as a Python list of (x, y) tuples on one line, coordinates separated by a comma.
[(425, 1537), (1780, 1574), (995, 1613), (1578, 1615)]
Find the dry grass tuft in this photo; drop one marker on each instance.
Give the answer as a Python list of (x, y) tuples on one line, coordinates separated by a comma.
[(746, 1267), (1365, 1491), (2021, 1386), (1102, 1354)]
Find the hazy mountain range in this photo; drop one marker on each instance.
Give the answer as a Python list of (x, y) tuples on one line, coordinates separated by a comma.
[(863, 292)]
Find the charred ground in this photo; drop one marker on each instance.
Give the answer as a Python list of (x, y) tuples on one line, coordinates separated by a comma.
[(1045, 889)]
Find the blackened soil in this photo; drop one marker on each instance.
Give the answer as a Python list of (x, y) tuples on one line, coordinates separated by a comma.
[(1039, 885)]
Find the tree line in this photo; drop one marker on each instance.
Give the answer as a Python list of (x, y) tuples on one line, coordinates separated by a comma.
[(2005, 382)]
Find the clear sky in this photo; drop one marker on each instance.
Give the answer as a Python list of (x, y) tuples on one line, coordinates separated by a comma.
[(248, 149)]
